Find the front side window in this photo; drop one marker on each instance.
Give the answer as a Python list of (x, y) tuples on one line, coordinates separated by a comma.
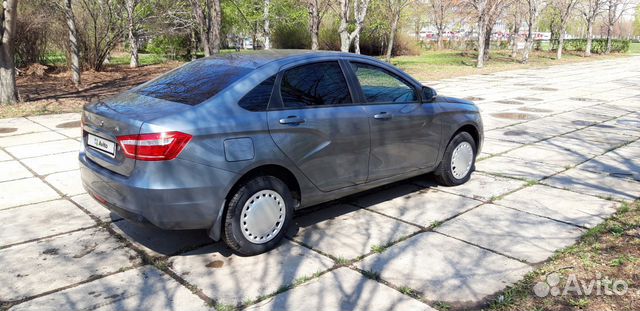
[(380, 86), (318, 84), (258, 98)]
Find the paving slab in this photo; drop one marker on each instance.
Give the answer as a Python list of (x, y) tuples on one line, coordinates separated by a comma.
[(54, 121), (4, 156), (157, 242), (95, 208), (144, 288), (45, 148), (341, 289), (11, 170), (17, 126), (558, 156), (38, 267), (597, 184), (584, 147), (422, 207), (53, 163), (346, 231), (445, 269), (40, 220), (25, 191), (69, 183), (514, 233), (481, 186), (517, 168), (493, 146), (567, 206), (233, 279), (32, 138), (596, 134)]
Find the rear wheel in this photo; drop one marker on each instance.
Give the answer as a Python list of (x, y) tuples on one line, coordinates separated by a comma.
[(458, 161), (258, 215)]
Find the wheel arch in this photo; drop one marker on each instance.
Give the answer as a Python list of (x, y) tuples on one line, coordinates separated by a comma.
[(274, 170)]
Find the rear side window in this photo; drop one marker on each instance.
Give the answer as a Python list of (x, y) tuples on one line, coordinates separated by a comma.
[(258, 98), (380, 86), (317, 84), (193, 83)]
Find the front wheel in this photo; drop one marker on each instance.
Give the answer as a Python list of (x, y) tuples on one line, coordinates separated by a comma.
[(458, 161), (258, 215)]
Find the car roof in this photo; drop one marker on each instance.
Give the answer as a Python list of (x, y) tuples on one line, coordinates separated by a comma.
[(257, 58)]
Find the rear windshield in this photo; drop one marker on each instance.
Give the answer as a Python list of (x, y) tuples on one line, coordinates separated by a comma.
[(193, 83)]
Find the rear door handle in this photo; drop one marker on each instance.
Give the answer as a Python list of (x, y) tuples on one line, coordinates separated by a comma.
[(292, 120), (382, 116)]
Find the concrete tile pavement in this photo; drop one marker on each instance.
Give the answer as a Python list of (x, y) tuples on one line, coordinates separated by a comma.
[(561, 151)]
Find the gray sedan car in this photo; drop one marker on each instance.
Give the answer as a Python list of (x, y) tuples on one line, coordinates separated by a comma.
[(236, 144)]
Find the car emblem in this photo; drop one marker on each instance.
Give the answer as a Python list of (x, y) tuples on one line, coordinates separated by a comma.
[(101, 123)]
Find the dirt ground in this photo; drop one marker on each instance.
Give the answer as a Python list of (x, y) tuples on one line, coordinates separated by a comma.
[(53, 91)]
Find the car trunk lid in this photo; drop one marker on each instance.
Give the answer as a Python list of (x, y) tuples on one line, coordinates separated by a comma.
[(104, 121)]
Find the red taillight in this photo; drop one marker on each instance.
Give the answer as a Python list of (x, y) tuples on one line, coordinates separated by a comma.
[(154, 147)]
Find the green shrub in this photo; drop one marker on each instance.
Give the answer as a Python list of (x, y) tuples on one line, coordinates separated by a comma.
[(598, 46), (291, 36), (174, 46)]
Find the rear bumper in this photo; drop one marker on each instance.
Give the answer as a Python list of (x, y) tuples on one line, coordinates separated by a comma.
[(171, 195)]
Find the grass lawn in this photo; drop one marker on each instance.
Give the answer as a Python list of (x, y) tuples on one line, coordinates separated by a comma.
[(635, 48), (606, 254), (436, 65)]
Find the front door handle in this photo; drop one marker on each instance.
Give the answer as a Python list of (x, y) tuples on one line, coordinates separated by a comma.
[(382, 116), (292, 120)]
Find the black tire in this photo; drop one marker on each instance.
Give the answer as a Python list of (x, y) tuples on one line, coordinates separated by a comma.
[(233, 235), (443, 173)]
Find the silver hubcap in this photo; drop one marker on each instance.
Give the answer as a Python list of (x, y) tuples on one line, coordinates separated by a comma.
[(262, 216), (461, 160)]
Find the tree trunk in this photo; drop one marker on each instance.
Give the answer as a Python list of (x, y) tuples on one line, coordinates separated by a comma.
[(194, 44), (266, 29), (216, 25), (314, 12), (514, 40), (481, 33), (487, 42), (587, 49), (133, 37), (345, 40), (560, 41), (608, 50), (392, 35), (439, 42), (8, 17), (356, 43), (73, 44)]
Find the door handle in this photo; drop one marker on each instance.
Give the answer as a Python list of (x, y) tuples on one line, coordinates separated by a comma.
[(382, 116), (292, 120)]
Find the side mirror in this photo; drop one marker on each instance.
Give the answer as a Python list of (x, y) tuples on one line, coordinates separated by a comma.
[(428, 94)]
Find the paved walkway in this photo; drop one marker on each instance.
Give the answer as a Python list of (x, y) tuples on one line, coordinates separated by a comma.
[(561, 152)]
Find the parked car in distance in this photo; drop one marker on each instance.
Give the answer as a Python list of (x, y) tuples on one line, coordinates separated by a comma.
[(236, 144)]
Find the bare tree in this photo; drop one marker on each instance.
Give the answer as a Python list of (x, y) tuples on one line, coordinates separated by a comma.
[(534, 7), (317, 9), (8, 17), (565, 9), (441, 12), (493, 13), (359, 12), (74, 51), (395, 8), (482, 10), (590, 10), (515, 19), (208, 15), (266, 30), (133, 31), (615, 10)]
